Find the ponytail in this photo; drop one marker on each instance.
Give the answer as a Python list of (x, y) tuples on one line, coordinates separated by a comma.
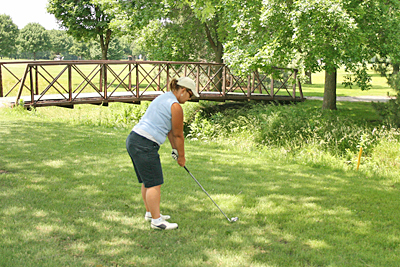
[(173, 85)]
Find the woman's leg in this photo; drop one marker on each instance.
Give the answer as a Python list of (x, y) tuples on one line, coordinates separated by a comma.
[(144, 190), (151, 197)]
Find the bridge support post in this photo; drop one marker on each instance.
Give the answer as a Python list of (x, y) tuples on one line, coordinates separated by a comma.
[(1, 82), (31, 85), (69, 82), (167, 78), (137, 80), (130, 78), (105, 81), (159, 78), (208, 75), (248, 86), (272, 86), (197, 77), (36, 81), (224, 80), (294, 84), (101, 78)]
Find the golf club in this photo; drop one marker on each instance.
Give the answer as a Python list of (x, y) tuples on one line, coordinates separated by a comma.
[(233, 219)]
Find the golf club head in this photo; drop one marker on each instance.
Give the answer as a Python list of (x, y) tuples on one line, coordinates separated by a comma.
[(234, 219)]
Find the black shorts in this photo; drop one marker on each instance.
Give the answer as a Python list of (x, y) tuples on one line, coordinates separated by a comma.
[(145, 159)]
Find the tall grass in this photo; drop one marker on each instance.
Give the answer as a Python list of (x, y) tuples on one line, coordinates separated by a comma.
[(291, 127)]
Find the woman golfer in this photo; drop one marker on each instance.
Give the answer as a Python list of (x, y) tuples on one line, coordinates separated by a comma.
[(163, 117)]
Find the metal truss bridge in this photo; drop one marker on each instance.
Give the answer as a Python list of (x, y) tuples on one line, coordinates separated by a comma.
[(68, 83)]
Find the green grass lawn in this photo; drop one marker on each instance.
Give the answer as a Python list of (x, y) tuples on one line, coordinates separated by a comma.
[(69, 197), (379, 86)]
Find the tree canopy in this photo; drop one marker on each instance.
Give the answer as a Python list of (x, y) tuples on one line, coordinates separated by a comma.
[(34, 38), (177, 38), (178, 30), (8, 35), (84, 20), (61, 42), (310, 34)]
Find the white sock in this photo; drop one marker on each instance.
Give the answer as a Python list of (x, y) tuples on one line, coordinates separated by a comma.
[(148, 213), (156, 221)]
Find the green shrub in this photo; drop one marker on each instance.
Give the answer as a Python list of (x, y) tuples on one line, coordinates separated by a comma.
[(390, 111), (290, 127), (125, 116)]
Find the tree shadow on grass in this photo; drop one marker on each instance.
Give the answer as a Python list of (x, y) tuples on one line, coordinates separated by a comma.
[(63, 192), (73, 199), (301, 215)]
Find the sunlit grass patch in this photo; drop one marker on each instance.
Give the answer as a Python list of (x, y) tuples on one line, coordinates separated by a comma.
[(70, 198)]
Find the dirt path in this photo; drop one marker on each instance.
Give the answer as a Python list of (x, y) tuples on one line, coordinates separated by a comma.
[(355, 98)]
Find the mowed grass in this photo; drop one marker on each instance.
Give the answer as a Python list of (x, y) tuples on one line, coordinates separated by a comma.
[(379, 85), (69, 197)]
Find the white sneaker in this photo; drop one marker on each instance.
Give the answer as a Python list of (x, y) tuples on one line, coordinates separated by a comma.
[(164, 217), (164, 225)]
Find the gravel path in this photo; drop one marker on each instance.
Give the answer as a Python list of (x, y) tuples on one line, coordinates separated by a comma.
[(355, 98)]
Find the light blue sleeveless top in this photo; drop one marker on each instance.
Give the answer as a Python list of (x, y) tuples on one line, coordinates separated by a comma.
[(156, 122)]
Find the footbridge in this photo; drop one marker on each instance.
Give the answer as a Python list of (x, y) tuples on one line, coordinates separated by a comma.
[(67, 83)]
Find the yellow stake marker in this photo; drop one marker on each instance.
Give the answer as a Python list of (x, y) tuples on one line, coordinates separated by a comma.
[(359, 158)]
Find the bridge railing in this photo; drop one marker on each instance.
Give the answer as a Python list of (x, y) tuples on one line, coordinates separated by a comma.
[(65, 83)]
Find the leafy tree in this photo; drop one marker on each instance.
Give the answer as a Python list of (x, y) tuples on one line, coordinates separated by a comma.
[(178, 38), (175, 30), (179, 31), (390, 111), (84, 20), (213, 18), (61, 42), (80, 49), (311, 34), (115, 50), (383, 21), (8, 35), (34, 38), (126, 45), (318, 35)]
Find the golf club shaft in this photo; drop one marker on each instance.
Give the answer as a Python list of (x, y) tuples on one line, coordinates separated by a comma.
[(207, 193)]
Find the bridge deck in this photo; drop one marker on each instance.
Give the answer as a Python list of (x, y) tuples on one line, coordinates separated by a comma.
[(125, 97)]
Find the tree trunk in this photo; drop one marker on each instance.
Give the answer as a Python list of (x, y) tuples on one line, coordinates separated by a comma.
[(218, 58), (104, 43), (34, 55), (104, 48), (308, 74), (218, 51), (329, 101)]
